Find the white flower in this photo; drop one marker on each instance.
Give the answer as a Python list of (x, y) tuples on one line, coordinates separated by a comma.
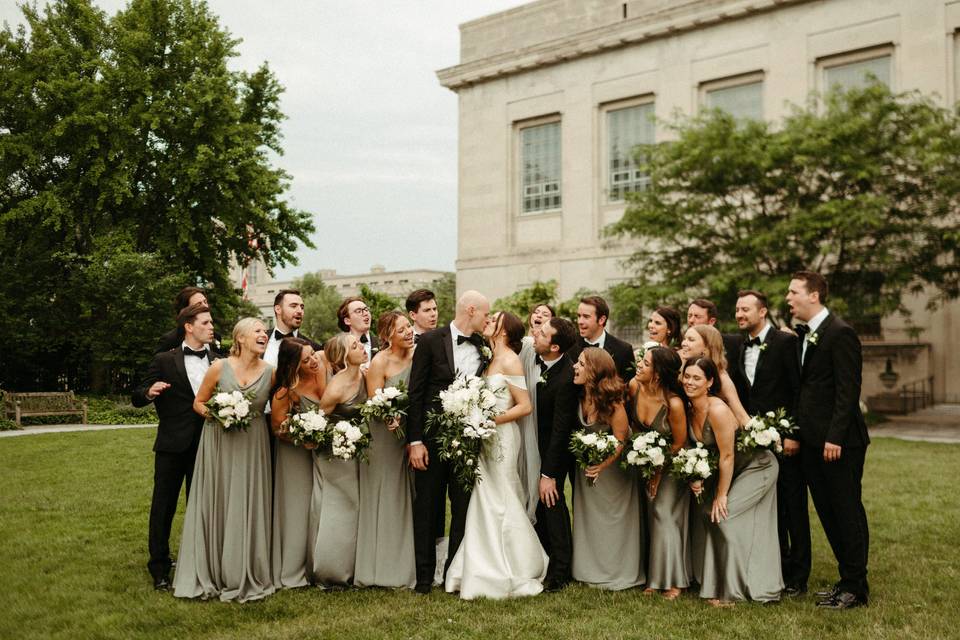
[(601, 446), (242, 409), (354, 433), (656, 456), (222, 398), (703, 468), (589, 439), (762, 438), (662, 442), (391, 392), (632, 457), (225, 411)]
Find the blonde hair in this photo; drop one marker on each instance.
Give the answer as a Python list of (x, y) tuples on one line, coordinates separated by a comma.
[(713, 341), (243, 327), (336, 349)]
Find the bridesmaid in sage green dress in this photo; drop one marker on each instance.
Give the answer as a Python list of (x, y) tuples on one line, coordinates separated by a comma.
[(385, 556), (299, 387), (225, 546), (607, 520), (334, 508), (658, 404), (740, 549)]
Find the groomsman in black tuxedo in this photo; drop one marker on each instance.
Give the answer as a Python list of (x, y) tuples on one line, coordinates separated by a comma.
[(421, 307), (354, 317), (833, 434), (287, 318), (171, 384), (703, 311), (456, 350), (592, 315), (172, 339), (770, 366), (556, 414)]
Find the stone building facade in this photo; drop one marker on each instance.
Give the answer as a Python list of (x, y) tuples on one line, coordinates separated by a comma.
[(554, 93)]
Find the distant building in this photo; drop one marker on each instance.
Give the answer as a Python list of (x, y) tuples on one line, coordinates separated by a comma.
[(553, 95), (261, 288)]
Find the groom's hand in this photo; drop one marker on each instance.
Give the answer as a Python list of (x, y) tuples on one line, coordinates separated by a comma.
[(548, 491), (418, 456), (831, 452), (156, 389)]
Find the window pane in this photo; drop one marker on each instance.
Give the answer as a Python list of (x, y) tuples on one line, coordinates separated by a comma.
[(626, 128), (855, 74), (741, 101), (540, 159)]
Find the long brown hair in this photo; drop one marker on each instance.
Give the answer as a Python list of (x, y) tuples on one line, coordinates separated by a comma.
[(386, 324), (603, 387), (713, 340), (512, 328), (288, 365)]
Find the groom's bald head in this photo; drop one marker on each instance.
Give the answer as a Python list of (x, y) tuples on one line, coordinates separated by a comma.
[(472, 311)]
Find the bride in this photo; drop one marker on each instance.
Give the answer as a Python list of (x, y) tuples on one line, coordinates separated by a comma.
[(500, 556)]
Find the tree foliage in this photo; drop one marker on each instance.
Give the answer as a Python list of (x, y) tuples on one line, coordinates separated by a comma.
[(445, 289), (521, 302), (320, 303), (861, 186), (379, 304), (130, 134)]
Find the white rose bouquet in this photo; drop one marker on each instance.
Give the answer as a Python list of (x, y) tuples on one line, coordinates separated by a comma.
[(647, 453), (231, 409), (388, 404), (590, 448), (462, 426), (309, 427), (766, 432), (694, 464), (349, 441)]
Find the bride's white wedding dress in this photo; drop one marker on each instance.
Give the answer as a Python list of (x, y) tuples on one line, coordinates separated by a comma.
[(500, 556)]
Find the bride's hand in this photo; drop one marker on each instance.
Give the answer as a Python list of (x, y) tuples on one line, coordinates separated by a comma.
[(393, 423), (593, 472)]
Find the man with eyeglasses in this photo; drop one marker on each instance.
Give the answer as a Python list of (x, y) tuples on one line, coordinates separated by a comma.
[(353, 317)]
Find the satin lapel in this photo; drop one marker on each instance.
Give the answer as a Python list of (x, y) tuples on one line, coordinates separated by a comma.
[(761, 356), (182, 368), (812, 348), (448, 349)]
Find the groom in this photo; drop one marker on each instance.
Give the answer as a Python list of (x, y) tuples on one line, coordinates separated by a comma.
[(171, 384), (556, 414), (833, 434), (441, 356)]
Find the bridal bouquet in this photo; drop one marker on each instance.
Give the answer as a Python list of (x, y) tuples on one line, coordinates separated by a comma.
[(387, 404), (231, 409), (462, 426), (693, 464), (309, 427), (349, 441), (766, 432), (647, 452), (590, 448)]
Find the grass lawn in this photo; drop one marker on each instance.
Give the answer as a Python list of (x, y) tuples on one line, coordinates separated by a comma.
[(73, 537)]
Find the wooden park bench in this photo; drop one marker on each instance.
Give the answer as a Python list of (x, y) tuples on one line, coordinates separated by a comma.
[(58, 403)]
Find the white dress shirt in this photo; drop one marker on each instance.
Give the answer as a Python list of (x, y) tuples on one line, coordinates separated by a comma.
[(196, 367), (466, 357), (751, 355), (599, 342), (814, 324), (272, 354)]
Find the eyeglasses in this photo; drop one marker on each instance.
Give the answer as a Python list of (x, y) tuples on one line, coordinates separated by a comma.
[(361, 311)]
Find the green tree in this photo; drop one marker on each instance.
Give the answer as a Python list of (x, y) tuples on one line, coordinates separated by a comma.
[(379, 303), (520, 303), (861, 186), (320, 303), (132, 128), (445, 289)]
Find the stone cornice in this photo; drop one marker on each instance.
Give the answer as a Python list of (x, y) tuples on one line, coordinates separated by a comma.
[(680, 18)]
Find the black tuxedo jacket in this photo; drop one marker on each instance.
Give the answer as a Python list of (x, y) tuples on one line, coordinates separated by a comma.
[(777, 377), (556, 413), (180, 426), (828, 407), (733, 350), (620, 351), (173, 339), (432, 371)]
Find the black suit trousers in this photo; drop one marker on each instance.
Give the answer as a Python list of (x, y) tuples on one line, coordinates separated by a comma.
[(837, 496), (553, 529), (170, 472), (427, 502), (793, 521)]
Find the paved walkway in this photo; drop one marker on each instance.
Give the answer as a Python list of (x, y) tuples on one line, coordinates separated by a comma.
[(940, 423)]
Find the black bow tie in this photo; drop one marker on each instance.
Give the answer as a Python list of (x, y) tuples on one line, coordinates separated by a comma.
[(753, 342), (587, 343), (540, 363), (475, 339), (416, 338), (280, 336), (802, 330), (187, 351), (364, 339)]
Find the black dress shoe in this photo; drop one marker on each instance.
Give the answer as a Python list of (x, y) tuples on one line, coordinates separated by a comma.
[(161, 583), (843, 600), (794, 590), (552, 585), (423, 589), (828, 593)]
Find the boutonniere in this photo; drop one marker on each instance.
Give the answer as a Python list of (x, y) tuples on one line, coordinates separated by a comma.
[(813, 338), (543, 378), (763, 347), (485, 352)]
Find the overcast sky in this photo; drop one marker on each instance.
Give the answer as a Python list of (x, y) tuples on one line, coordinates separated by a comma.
[(370, 139)]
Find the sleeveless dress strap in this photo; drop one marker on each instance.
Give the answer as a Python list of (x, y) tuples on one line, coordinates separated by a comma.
[(520, 382)]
